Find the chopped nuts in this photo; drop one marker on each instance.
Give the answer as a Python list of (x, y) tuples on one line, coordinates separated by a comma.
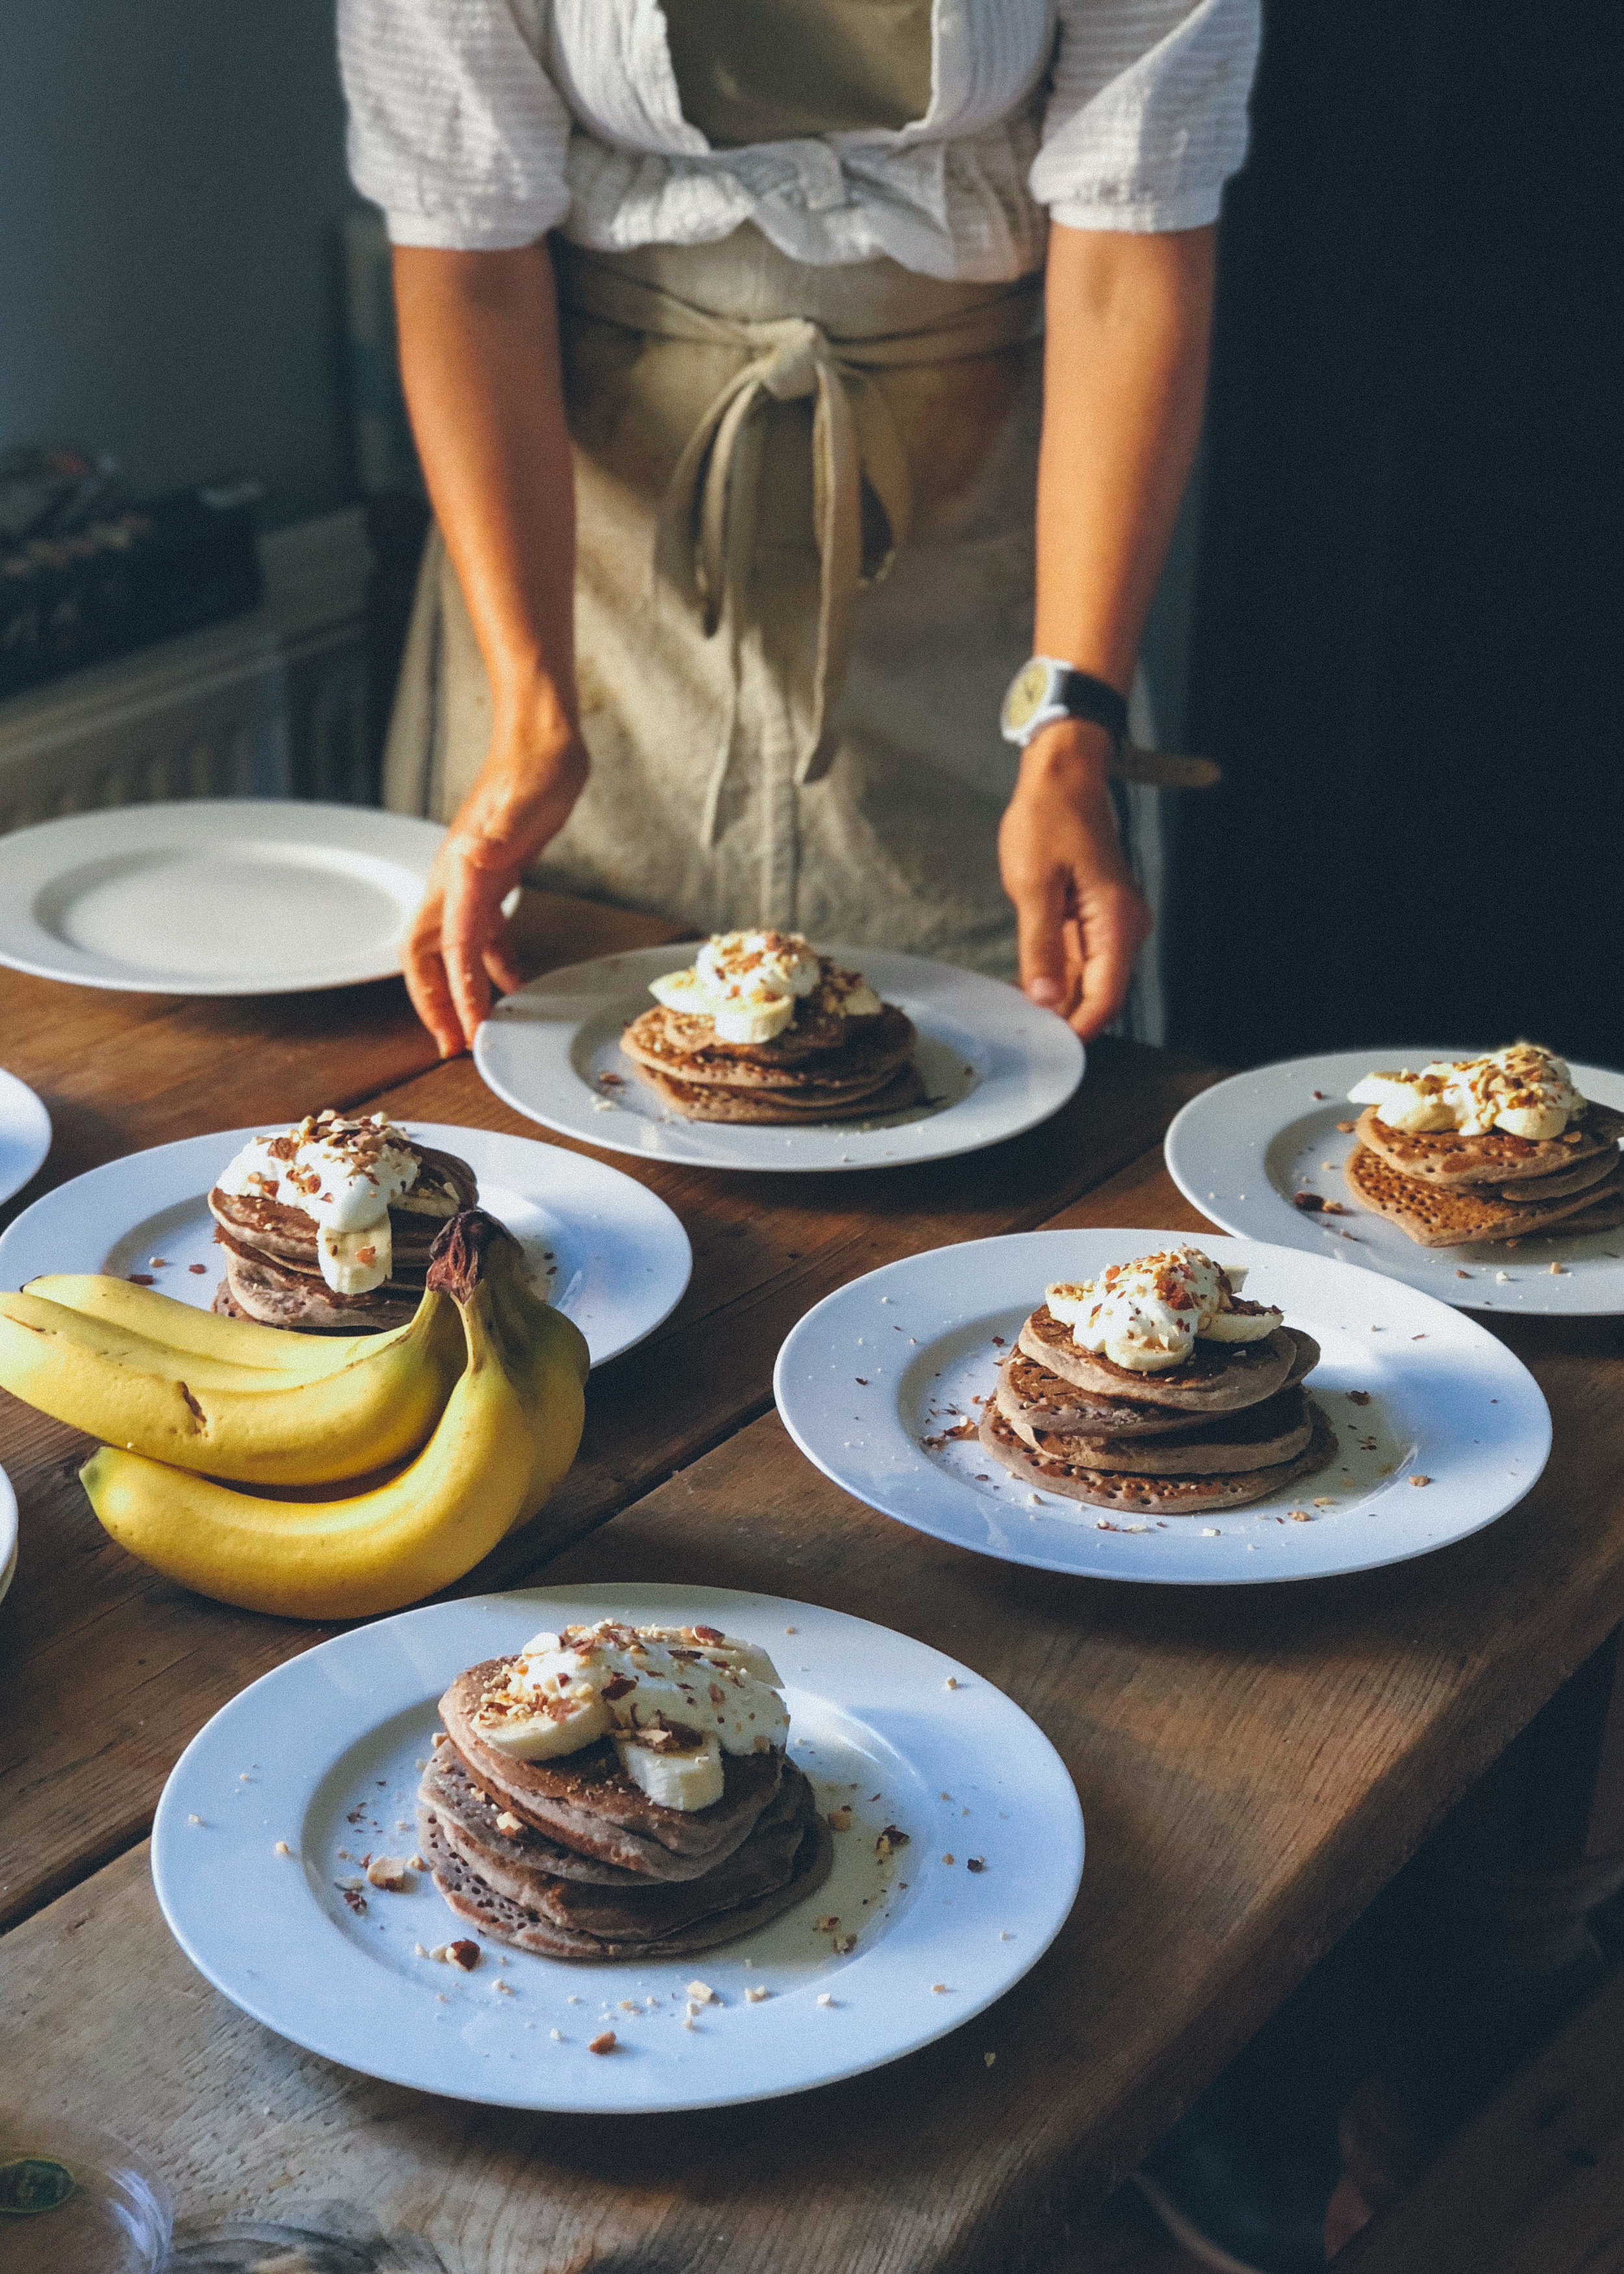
[(282, 1848), (947, 1859), (500, 1988), (1421, 1480), (989, 2059), (388, 1871), (463, 1954), (843, 1943), (509, 1823), (938, 1989), (826, 1924), (756, 1992), (840, 1819), (975, 1863), (951, 1682), (890, 1838), (603, 2042), (823, 1997), (702, 1992)]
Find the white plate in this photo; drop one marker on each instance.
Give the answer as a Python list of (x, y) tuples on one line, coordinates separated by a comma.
[(214, 896), (1241, 1150), (25, 1134), (611, 1253), (996, 1064), (8, 1533), (895, 1358), (345, 1728)]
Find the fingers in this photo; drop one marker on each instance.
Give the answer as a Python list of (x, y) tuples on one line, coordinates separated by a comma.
[(1114, 927), (472, 917), (1041, 899), (502, 970), (426, 981)]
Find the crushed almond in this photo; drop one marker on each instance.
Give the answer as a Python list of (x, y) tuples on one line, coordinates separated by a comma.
[(1421, 1480), (702, 1992), (463, 1954), (282, 1848), (509, 1823), (603, 2042), (388, 1871), (756, 1992), (840, 1819)]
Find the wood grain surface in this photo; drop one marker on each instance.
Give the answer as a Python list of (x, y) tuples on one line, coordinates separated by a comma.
[(1254, 1764), (766, 1248)]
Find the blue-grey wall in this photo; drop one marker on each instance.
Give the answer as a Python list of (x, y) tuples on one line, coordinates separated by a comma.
[(172, 183)]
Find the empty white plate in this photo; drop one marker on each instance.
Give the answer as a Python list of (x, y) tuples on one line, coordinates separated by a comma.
[(874, 1379), (610, 1252), (214, 896), (324, 1753), (994, 1064), (25, 1134), (1241, 1151)]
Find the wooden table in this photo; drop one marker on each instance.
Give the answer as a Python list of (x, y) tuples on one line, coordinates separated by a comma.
[(1254, 1764)]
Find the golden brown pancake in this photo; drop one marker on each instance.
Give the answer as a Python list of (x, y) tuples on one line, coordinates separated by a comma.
[(863, 1050), (1215, 1378), (1453, 1214), (1257, 1437), (709, 1102), (1444, 1157)]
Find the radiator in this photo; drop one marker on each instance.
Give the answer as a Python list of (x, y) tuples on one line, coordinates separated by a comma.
[(271, 705)]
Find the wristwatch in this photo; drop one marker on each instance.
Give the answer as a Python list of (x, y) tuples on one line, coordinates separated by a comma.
[(1044, 690)]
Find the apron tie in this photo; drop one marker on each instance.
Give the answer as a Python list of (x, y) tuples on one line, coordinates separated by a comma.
[(704, 540)]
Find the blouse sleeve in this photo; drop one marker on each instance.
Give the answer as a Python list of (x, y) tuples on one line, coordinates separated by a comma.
[(455, 128), (1146, 120)]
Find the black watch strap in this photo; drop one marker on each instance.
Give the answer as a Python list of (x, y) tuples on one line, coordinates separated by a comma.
[(1085, 696)]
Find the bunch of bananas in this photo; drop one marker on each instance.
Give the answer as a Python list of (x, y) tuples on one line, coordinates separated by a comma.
[(481, 1397)]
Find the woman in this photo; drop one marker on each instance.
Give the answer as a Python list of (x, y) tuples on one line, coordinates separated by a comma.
[(737, 482)]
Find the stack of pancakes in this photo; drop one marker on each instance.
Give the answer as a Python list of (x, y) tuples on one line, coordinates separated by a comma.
[(272, 1272), (1227, 1426), (1446, 1190), (823, 1068), (570, 1858)]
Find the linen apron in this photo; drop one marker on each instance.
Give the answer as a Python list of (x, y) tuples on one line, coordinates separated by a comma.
[(805, 506)]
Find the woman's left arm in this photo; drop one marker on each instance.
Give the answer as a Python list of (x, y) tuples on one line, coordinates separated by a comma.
[(1125, 357)]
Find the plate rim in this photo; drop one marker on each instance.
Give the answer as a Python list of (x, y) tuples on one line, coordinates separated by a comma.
[(661, 1210), (310, 814), (1066, 1089), (1518, 1371), (167, 1830), (1189, 1114), (34, 1109)]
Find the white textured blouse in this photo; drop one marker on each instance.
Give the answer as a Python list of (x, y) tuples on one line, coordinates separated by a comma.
[(479, 125)]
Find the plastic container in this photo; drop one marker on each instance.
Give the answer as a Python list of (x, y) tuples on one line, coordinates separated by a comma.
[(74, 2200)]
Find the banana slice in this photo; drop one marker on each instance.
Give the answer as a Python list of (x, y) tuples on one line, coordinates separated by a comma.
[(1241, 1326), (355, 1262), (686, 1780), (539, 1726)]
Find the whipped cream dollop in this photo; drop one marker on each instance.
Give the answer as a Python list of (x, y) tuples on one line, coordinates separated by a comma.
[(748, 983), (1145, 1316), (346, 1176), (673, 1699), (1523, 1090)]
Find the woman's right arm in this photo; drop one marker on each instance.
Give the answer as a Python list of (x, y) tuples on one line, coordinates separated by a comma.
[(479, 357)]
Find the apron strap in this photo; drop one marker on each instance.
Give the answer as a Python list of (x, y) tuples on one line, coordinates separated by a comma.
[(705, 534)]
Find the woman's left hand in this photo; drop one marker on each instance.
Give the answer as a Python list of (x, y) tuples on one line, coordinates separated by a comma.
[(1080, 918)]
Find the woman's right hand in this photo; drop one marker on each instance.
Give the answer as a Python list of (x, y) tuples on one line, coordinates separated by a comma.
[(456, 949)]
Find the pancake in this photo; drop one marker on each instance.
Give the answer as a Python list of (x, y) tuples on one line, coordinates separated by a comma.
[(1444, 1157), (539, 1873), (267, 1227), (1145, 1496), (757, 1883), (1032, 1400), (278, 1295), (865, 1050), (1257, 1437), (1593, 1168), (1216, 1378), (586, 1800), (709, 1102), (1453, 1214), (818, 1029)]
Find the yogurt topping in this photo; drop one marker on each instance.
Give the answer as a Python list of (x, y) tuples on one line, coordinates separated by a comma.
[(1146, 1315), (748, 983), (1523, 1089), (341, 1174), (673, 1699)]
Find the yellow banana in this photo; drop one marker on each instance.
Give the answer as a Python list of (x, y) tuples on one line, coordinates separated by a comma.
[(377, 1550), (253, 1425), (201, 1334), (549, 1353)]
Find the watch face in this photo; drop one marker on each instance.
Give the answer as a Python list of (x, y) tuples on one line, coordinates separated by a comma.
[(1027, 692)]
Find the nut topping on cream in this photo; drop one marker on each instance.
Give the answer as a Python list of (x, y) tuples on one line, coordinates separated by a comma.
[(674, 1699), (1147, 1315), (1522, 1089), (748, 983), (343, 1174)]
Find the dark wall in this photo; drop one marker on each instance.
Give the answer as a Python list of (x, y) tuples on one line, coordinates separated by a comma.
[(171, 177), (1409, 627)]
